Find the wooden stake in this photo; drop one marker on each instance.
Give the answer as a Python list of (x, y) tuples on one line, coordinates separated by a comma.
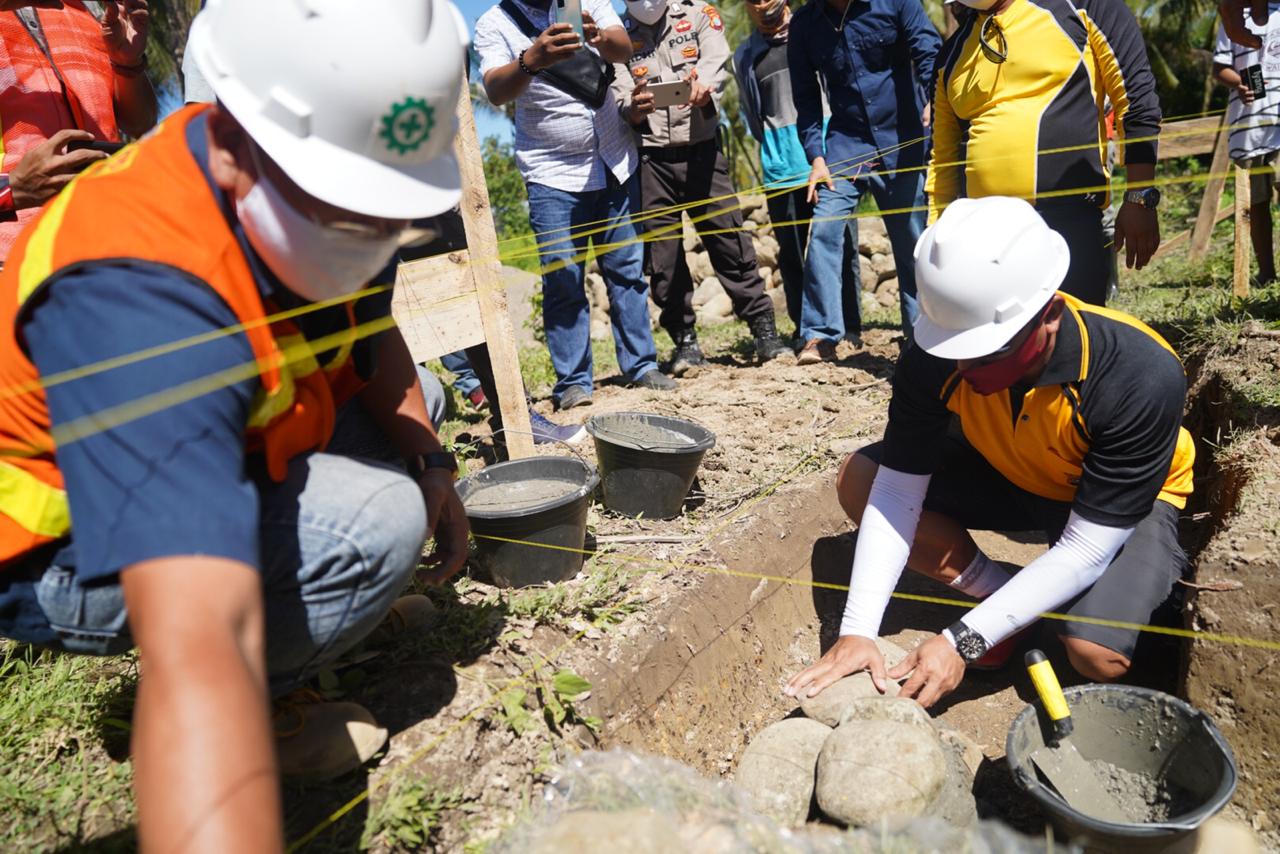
[(1205, 220), (1240, 273), (486, 269)]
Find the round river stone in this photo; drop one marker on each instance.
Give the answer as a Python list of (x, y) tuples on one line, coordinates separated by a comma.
[(868, 770), (777, 769), (829, 706)]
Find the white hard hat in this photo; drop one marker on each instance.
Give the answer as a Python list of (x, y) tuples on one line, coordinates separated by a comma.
[(354, 101), (983, 270)]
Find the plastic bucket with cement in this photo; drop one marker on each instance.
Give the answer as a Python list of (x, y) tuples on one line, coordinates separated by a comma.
[(529, 518), (647, 462), (1142, 732)]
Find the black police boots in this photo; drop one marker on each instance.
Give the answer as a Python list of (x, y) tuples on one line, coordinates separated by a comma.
[(765, 330)]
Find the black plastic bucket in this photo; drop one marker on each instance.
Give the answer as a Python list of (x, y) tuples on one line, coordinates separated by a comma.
[(539, 500), (1137, 730), (647, 462)]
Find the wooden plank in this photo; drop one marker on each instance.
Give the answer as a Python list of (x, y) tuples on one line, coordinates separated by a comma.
[(1240, 270), (1183, 236), (1188, 137), (436, 307), (1202, 231), (486, 271)]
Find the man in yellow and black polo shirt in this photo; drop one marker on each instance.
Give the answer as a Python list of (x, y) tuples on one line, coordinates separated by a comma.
[(1072, 424), (1019, 111)]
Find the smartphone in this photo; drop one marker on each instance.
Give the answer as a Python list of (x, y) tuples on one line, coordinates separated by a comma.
[(570, 12), (94, 145), (670, 94), (1257, 83)]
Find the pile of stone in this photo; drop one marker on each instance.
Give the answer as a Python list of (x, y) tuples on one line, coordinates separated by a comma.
[(862, 758), (712, 304)]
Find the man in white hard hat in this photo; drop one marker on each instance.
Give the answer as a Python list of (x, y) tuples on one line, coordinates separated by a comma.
[(1072, 425), (174, 373)]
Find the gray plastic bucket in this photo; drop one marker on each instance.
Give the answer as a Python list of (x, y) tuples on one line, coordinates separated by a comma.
[(647, 462), (1136, 729), (539, 502)]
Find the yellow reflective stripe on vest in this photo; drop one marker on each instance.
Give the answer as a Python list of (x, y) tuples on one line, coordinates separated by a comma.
[(35, 505), (37, 261)]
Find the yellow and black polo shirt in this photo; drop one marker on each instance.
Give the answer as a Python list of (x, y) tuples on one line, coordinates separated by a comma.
[(1101, 428), (1035, 123)]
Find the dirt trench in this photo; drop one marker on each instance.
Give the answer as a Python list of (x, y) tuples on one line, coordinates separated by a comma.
[(1234, 533), (707, 676)]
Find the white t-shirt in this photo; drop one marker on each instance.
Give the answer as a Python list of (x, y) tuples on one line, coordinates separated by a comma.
[(1255, 128)]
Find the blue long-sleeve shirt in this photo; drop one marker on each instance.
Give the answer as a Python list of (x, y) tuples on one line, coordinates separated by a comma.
[(875, 71)]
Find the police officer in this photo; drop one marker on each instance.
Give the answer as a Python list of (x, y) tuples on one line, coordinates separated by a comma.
[(682, 163)]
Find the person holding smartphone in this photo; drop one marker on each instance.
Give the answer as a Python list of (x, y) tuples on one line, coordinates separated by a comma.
[(683, 167), (1252, 115), (79, 75), (578, 161)]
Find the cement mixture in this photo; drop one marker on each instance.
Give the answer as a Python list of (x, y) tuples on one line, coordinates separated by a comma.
[(1147, 799), (641, 435), (520, 495)]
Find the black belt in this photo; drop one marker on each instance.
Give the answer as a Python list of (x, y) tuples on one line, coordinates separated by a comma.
[(679, 153)]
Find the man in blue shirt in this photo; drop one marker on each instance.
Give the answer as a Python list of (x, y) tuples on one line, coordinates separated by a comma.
[(875, 59), (764, 97)]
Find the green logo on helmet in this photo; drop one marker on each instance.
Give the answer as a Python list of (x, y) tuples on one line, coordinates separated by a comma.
[(408, 125)]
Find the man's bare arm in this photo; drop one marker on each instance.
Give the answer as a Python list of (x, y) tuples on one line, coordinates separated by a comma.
[(204, 762)]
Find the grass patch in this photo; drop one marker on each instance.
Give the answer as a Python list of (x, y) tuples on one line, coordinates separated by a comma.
[(62, 719)]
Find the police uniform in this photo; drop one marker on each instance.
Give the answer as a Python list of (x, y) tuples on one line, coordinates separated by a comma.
[(682, 162)]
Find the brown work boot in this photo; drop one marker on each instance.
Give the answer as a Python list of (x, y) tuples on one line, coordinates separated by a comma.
[(318, 740), (817, 350), (410, 613)]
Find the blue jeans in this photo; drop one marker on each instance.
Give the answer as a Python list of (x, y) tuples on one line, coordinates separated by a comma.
[(558, 217), (821, 308), (339, 539), (792, 206), (464, 378)]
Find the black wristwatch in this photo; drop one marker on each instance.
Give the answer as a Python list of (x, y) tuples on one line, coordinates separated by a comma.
[(1148, 197), (422, 463), (969, 643)]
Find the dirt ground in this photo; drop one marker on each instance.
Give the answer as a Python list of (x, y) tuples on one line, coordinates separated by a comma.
[(699, 622)]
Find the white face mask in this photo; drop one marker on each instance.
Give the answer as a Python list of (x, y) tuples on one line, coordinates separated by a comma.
[(648, 11), (315, 262)]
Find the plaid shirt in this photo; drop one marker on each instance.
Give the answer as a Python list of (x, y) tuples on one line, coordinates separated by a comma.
[(33, 105), (560, 141)]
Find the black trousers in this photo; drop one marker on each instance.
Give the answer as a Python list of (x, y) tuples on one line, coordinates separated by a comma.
[(1080, 224), (680, 176)]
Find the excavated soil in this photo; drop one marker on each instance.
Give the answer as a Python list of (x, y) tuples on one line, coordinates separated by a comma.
[(1236, 591), (729, 602)]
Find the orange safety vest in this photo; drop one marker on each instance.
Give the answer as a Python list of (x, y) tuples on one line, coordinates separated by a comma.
[(162, 211), (33, 106)]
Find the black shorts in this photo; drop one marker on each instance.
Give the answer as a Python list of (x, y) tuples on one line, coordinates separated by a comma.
[(1138, 582)]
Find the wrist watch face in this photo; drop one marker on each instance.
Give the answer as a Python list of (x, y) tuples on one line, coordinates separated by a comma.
[(971, 646)]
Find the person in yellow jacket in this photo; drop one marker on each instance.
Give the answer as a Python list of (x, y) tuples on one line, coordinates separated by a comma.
[(1019, 111), (213, 442), (1070, 421)]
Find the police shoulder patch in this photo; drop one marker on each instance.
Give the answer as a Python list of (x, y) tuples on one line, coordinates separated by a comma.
[(636, 45), (640, 71), (683, 26), (689, 51)]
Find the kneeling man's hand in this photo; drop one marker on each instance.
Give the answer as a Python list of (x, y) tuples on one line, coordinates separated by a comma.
[(449, 527), (850, 654), (936, 669)]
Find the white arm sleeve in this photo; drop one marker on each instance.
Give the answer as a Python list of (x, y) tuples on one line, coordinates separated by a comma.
[(1076, 561), (884, 540)]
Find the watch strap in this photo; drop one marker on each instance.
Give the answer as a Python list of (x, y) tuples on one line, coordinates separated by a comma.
[(422, 463)]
